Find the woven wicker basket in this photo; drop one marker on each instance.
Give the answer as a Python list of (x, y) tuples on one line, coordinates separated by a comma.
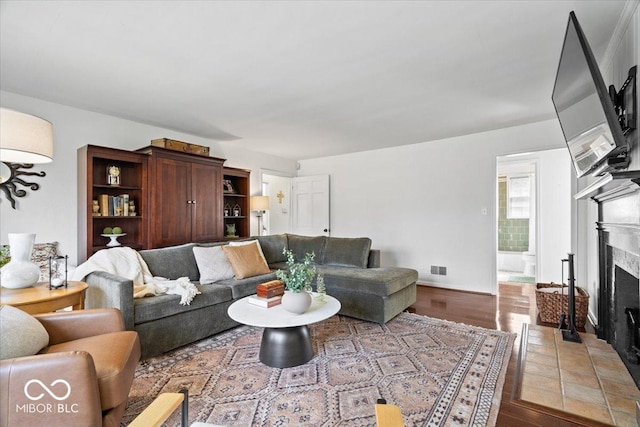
[(551, 305)]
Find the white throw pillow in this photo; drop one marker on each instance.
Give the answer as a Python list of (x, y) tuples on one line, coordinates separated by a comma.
[(213, 264), (248, 242), (22, 334)]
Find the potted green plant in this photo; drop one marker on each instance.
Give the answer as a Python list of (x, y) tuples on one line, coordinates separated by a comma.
[(297, 281)]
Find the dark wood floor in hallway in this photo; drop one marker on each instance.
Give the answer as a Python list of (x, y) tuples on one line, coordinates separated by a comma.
[(514, 305)]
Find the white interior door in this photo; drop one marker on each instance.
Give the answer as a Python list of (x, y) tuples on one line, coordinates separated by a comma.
[(310, 205), (277, 220)]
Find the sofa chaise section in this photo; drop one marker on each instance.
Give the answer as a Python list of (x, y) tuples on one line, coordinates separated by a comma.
[(352, 274)]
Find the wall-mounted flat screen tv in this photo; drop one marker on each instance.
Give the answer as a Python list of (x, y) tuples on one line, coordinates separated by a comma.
[(584, 108)]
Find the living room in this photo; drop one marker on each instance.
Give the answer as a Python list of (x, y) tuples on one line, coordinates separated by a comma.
[(429, 201)]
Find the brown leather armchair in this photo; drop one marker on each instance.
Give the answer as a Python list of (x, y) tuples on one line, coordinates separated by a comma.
[(82, 378)]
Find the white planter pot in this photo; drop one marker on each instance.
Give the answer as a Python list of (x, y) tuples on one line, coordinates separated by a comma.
[(296, 302), (20, 272)]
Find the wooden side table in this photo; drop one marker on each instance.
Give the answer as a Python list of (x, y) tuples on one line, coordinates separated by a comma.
[(39, 299)]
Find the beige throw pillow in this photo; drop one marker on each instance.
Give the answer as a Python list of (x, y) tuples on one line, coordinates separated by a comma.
[(213, 264), (248, 242), (246, 260), (22, 334)]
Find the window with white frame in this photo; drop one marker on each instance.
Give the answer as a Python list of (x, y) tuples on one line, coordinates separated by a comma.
[(518, 196)]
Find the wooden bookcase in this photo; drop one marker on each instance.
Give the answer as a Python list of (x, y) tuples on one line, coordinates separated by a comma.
[(179, 198), (236, 199), (92, 184), (185, 198)]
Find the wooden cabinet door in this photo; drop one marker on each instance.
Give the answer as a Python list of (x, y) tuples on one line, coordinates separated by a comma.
[(171, 194), (206, 224)]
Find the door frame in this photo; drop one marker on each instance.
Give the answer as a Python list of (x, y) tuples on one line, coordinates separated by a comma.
[(514, 161)]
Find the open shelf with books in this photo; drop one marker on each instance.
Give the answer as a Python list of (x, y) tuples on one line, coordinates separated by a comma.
[(236, 213), (112, 198)]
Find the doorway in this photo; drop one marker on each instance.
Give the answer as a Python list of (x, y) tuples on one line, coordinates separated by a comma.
[(533, 217), (297, 205), (517, 225)]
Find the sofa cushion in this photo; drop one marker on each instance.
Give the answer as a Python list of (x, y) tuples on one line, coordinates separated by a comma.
[(347, 252), (115, 356), (279, 266), (245, 287), (377, 281), (273, 246), (157, 307), (302, 245), (213, 264), (22, 334), (246, 260), (172, 262)]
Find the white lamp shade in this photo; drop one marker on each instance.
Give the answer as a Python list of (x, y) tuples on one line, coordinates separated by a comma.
[(259, 203), (25, 138)]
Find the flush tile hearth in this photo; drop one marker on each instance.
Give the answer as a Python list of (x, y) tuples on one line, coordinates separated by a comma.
[(585, 379)]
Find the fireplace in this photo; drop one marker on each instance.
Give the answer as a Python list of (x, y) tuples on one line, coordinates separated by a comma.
[(619, 266), (624, 306)]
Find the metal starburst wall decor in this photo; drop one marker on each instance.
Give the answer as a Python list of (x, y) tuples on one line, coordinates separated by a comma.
[(11, 178)]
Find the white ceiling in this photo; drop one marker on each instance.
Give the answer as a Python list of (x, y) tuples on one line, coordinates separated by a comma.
[(299, 79)]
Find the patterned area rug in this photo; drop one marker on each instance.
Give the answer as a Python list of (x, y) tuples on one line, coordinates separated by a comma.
[(439, 373)]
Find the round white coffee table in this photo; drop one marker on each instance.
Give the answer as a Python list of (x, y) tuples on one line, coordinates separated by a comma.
[(286, 341)]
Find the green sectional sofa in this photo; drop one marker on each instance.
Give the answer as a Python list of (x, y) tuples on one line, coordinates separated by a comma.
[(351, 271)]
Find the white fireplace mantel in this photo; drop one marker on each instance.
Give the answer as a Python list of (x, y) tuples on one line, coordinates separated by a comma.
[(611, 185)]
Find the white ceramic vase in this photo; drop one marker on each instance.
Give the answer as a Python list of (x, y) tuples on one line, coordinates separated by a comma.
[(20, 272), (296, 302)]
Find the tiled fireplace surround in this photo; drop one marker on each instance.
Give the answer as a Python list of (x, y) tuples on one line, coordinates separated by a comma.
[(619, 265)]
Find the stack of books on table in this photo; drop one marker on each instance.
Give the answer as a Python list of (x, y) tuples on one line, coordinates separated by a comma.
[(268, 294)]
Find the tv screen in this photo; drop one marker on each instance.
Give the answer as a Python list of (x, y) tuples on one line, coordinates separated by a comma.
[(583, 105)]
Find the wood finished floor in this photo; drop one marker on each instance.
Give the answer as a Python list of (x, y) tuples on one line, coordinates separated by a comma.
[(514, 305)]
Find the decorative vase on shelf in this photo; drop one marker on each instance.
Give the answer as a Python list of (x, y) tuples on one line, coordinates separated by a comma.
[(296, 302), (20, 272)]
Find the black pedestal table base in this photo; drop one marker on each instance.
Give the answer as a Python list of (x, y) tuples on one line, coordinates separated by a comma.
[(286, 347)]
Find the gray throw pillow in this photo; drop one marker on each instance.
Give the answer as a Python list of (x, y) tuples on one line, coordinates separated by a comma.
[(213, 264), (22, 334)]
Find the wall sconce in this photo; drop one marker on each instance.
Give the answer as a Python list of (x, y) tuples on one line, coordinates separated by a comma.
[(24, 141), (259, 204)]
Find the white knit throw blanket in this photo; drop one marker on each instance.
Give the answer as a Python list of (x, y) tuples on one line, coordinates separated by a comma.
[(126, 262)]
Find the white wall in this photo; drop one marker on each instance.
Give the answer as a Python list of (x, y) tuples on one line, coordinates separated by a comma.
[(555, 175), (422, 204), (51, 212)]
